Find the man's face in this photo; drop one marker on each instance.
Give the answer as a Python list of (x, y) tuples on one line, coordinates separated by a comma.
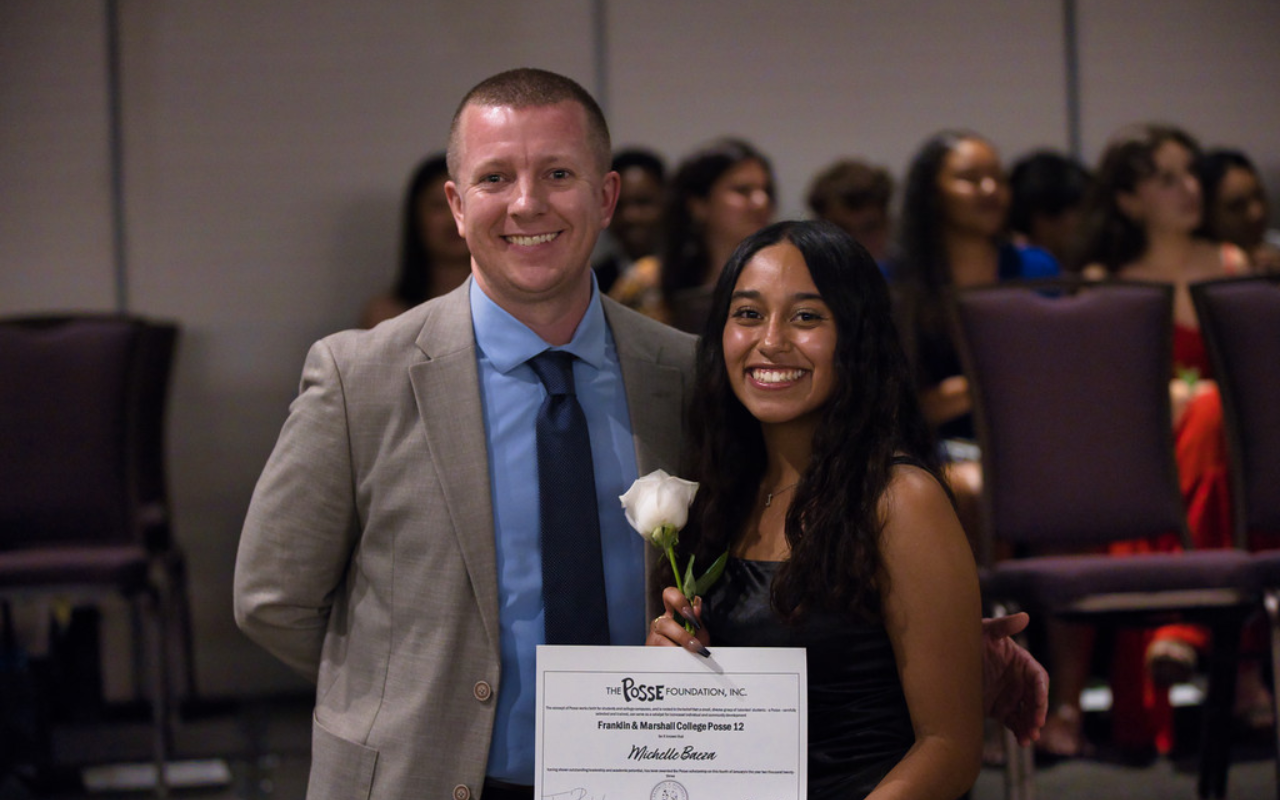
[(530, 199)]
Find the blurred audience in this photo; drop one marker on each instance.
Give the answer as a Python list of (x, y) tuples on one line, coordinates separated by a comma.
[(1144, 222), (433, 257), (855, 196), (636, 229), (1048, 192), (1236, 207), (718, 196)]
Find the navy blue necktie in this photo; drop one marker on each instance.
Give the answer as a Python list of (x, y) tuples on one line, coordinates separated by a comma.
[(573, 595)]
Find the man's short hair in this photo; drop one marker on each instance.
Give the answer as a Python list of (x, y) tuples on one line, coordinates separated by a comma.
[(852, 184), (532, 88)]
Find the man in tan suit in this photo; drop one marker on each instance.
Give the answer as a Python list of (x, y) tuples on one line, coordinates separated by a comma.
[(369, 560), (387, 552)]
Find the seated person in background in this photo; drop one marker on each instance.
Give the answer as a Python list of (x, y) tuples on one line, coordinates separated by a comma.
[(825, 489), (636, 230), (855, 196), (717, 197), (1143, 222), (433, 257), (952, 234), (1236, 207), (1048, 190)]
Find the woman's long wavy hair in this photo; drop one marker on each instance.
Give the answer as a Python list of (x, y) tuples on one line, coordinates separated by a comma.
[(834, 523), (1111, 237), (922, 274)]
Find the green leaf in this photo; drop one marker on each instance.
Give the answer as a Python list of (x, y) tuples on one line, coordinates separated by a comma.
[(701, 585), (688, 583)]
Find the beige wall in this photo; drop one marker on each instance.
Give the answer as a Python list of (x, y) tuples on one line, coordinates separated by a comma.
[(265, 145)]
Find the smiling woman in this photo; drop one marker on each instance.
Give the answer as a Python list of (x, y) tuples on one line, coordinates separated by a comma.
[(780, 340), (955, 204), (819, 476)]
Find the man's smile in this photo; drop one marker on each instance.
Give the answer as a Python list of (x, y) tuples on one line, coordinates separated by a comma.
[(530, 240)]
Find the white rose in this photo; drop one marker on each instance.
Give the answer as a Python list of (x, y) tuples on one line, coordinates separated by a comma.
[(657, 505)]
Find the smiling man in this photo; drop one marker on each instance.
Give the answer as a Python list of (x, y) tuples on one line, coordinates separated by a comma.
[(392, 549), (531, 192)]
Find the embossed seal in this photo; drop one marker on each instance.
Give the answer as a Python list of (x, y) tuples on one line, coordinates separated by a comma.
[(669, 790)]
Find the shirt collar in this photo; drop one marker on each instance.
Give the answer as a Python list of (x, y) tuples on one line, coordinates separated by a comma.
[(507, 342)]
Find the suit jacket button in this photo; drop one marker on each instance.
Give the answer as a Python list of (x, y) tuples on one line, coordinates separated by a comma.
[(461, 792), (482, 691)]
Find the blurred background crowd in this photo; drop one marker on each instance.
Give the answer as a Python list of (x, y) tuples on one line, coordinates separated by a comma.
[(265, 174)]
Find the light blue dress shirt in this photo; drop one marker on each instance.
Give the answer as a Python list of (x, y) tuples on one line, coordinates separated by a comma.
[(511, 394)]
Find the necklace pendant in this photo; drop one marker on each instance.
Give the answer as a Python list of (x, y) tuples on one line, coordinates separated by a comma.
[(768, 500)]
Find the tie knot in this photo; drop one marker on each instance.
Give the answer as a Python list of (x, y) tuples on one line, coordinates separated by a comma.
[(555, 369)]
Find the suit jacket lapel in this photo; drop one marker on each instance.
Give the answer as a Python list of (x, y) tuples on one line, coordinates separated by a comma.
[(447, 389), (655, 403), (655, 395)]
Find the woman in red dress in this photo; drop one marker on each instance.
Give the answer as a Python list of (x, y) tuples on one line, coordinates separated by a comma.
[(1145, 223)]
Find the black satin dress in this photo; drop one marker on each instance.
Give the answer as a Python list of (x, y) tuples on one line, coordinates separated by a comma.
[(859, 725)]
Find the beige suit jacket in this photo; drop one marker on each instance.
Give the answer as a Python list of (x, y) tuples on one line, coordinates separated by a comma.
[(367, 558)]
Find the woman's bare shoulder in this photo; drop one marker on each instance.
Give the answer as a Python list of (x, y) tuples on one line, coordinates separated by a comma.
[(915, 504)]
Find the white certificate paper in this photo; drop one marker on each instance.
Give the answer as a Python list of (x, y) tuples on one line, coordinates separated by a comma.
[(660, 723)]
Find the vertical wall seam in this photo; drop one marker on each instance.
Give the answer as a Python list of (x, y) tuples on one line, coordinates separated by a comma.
[(1071, 49), (600, 53), (115, 145)]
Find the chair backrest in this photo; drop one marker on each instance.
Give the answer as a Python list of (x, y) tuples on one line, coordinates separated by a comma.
[(151, 379), (1240, 322), (82, 404), (1070, 384)]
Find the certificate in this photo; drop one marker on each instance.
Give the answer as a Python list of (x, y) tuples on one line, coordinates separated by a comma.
[(660, 723)]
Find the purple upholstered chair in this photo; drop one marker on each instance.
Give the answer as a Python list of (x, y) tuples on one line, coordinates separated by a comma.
[(1240, 321), (83, 508), (1071, 400)]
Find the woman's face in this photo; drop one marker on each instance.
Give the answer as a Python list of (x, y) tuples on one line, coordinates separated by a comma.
[(780, 339), (436, 225), (1240, 212), (1167, 200), (973, 189), (739, 204)]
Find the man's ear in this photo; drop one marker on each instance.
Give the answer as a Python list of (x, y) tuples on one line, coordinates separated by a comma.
[(610, 191), (455, 205)]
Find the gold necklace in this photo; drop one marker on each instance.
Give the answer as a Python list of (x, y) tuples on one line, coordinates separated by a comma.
[(768, 500)]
